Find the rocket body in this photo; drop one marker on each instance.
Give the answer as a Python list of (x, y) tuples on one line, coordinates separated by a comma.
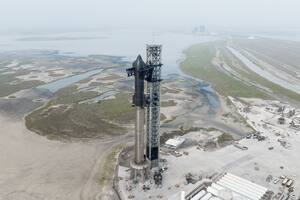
[(139, 136), (139, 101)]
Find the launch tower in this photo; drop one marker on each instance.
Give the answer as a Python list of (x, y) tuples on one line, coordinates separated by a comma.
[(153, 106)]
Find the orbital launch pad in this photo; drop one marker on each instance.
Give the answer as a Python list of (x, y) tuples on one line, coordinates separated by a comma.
[(146, 149)]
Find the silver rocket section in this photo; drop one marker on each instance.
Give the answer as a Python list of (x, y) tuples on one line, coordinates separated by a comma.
[(139, 101), (139, 136)]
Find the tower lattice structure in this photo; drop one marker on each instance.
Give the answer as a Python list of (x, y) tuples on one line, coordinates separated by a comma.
[(153, 107)]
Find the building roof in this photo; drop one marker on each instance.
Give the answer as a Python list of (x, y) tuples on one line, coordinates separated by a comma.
[(230, 186), (175, 142)]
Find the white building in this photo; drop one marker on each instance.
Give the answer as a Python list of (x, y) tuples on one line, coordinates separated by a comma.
[(174, 143), (231, 187)]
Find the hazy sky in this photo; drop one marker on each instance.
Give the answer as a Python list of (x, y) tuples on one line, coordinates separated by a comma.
[(81, 14)]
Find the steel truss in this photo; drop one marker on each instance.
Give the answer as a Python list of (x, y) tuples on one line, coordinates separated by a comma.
[(153, 106)]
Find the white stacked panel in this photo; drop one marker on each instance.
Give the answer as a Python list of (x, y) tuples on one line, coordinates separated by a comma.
[(199, 195), (236, 188), (234, 194), (241, 186), (215, 198), (248, 182), (213, 191), (216, 186), (207, 196)]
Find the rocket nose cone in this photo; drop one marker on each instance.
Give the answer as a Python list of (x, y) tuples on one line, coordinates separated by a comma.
[(139, 63), (139, 57)]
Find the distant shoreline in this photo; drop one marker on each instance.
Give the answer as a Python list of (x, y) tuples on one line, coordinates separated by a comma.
[(47, 39)]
